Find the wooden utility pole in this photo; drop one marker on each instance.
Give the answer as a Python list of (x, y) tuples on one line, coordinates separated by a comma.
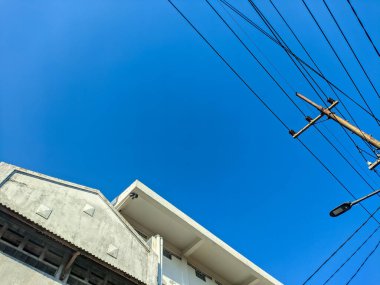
[(327, 112)]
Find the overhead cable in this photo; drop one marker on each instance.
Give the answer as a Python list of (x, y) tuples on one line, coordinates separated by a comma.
[(279, 38), (363, 263), (340, 247), (229, 66), (339, 59), (285, 93), (352, 255), (249, 21), (352, 50), (294, 90), (317, 67), (364, 29), (265, 104)]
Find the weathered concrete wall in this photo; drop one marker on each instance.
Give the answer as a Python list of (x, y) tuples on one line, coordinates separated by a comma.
[(81, 216), (12, 272)]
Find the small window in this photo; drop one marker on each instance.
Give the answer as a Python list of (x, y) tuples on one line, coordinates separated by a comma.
[(167, 254), (52, 258), (33, 248), (12, 237), (78, 271), (200, 275), (144, 236), (96, 278), (73, 281), (46, 268)]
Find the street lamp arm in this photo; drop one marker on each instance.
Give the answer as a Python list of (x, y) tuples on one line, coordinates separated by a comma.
[(348, 205), (365, 197)]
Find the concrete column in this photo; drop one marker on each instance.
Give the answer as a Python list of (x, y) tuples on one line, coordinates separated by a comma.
[(185, 271), (156, 244)]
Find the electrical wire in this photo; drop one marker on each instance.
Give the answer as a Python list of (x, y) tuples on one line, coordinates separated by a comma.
[(230, 67), (339, 59), (340, 247), (283, 90), (317, 67), (279, 39), (364, 29), (352, 50), (254, 57), (363, 263), (351, 256), (336, 139), (290, 85), (249, 21), (265, 104), (257, 47)]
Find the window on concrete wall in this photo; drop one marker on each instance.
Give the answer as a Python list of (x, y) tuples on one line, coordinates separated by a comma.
[(200, 275), (144, 236), (167, 254)]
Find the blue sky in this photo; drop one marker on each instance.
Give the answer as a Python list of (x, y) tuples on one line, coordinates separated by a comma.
[(105, 92)]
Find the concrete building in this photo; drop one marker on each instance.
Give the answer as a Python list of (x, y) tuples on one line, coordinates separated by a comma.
[(56, 232)]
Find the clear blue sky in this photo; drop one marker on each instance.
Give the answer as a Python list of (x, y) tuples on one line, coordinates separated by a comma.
[(105, 92)]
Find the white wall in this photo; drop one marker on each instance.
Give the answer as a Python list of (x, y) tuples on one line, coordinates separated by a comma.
[(172, 271), (178, 272)]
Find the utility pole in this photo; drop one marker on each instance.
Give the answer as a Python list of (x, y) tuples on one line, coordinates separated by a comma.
[(327, 112)]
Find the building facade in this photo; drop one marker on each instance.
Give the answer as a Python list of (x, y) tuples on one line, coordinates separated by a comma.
[(56, 232)]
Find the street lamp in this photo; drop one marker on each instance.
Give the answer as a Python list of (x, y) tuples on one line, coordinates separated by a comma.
[(348, 205)]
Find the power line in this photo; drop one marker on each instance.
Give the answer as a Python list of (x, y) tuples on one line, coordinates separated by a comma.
[(351, 256), (303, 47), (364, 29), (279, 39), (363, 263), (350, 154), (252, 91), (352, 50), (257, 47), (254, 57), (265, 104), (249, 21), (230, 67), (283, 90), (339, 59), (340, 247), (317, 67), (290, 85)]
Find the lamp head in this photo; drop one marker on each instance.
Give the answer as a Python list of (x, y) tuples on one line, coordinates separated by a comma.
[(341, 209)]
